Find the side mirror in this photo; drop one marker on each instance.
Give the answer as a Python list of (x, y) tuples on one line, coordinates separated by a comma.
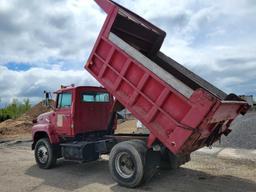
[(46, 101)]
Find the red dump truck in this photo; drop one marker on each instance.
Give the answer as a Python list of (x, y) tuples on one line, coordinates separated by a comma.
[(182, 111)]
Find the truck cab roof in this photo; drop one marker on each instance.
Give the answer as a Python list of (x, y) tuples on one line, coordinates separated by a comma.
[(89, 88)]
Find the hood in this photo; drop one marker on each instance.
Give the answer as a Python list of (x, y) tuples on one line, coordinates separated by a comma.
[(45, 117)]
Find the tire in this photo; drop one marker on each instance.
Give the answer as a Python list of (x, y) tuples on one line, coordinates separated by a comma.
[(165, 161), (170, 161), (127, 163), (151, 159), (45, 155)]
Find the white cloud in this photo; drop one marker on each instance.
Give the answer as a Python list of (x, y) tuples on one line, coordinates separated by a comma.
[(38, 31), (32, 83)]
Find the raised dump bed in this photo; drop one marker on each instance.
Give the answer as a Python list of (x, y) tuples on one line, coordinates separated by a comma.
[(181, 110)]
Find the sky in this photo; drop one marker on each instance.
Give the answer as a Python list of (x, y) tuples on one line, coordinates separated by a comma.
[(45, 44)]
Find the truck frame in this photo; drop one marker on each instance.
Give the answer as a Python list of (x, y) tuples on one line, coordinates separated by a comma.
[(182, 111)]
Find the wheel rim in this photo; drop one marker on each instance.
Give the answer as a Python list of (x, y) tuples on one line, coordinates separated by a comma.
[(42, 154), (124, 165)]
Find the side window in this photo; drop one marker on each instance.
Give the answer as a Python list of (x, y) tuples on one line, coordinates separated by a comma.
[(64, 100), (95, 97)]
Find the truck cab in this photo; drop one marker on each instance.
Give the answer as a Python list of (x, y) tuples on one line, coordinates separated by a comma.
[(81, 110), (80, 114)]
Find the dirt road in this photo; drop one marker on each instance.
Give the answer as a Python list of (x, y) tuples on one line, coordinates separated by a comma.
[(18, 172)]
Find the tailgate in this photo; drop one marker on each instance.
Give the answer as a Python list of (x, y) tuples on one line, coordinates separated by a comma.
[(228, 110), (215, 124)]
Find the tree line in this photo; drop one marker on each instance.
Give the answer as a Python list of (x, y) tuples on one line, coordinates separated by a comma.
[(14, 110)]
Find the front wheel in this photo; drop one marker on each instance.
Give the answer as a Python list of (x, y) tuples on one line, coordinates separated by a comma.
[(45, 154)]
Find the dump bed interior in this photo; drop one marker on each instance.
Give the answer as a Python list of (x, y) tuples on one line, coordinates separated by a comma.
[(148, 39)]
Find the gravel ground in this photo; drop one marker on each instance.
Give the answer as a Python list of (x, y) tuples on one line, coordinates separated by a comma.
[(18, 172), (243, 133)]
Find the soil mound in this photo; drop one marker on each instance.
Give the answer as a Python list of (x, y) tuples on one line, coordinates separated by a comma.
[(23, 124)]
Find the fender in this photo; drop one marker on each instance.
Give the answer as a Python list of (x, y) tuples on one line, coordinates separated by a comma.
[(45, 128)]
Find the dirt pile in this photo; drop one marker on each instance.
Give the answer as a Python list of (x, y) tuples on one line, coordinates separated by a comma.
[(128, 126), (23, 124)]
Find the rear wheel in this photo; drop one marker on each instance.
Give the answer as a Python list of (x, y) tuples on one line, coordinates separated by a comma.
[(127, 163), (45, 155), (171, 161)]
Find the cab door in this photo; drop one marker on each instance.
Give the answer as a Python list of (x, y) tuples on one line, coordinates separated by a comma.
[(63, 114), (94, 110)]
